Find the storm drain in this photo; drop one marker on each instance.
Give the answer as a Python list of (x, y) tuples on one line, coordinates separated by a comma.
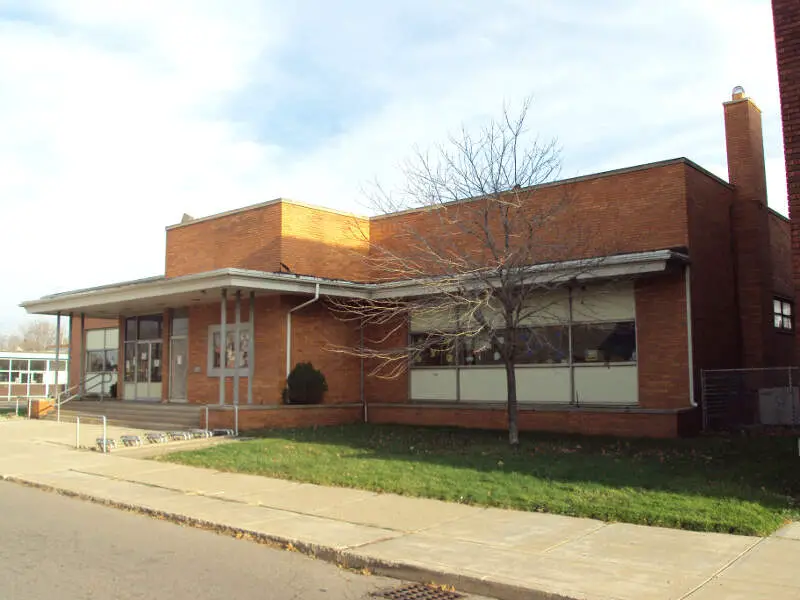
[(418, 591)]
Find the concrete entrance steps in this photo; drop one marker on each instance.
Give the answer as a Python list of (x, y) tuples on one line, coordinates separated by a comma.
[(139, 415)]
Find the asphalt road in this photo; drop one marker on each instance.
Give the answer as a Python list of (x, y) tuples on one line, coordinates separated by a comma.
[(56, 547)]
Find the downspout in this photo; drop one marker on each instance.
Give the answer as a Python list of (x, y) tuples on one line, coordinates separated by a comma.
[(289, 330), (687, 273)]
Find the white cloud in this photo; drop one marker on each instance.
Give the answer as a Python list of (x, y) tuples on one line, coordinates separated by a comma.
[(117, 117)]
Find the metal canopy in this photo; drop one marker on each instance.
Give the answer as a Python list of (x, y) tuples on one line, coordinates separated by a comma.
[(156, 294)]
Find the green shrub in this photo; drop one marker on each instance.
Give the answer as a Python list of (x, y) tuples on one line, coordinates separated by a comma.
[(305, 385)]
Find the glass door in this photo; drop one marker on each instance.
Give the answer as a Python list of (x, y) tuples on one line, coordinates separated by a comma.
[(142, 370), (143, 354), (178, 369)]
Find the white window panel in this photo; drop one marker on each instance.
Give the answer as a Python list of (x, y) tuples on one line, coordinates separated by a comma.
[(598, 304), (96, 339)]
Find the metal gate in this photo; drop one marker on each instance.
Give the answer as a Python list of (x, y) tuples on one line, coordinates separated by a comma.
[(736, 398)]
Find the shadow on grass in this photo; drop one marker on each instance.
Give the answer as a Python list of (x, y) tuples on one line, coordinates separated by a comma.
[(750, 464), (730, 484)]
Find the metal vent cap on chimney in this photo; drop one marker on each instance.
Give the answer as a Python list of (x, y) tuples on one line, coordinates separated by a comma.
[(738, 93)]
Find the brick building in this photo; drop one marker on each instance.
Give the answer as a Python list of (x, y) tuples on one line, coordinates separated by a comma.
[(786, 18), (695, 274)]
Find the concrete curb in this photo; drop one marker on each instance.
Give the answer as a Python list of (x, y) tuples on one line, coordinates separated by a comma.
[(350, 559)]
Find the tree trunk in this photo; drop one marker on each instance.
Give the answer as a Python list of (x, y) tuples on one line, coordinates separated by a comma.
[(511, 381)]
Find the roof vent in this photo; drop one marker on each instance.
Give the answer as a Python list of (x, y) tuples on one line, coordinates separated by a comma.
[(738, 93), (186, 218)]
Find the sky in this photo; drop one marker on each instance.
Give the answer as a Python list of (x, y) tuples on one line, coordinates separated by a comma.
[(118, 116)]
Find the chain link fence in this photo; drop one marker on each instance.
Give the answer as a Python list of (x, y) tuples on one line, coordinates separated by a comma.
[(751, 398)]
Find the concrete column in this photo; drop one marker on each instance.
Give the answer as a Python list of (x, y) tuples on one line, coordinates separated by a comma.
[(223, 342), (251, 348), (237, 338), (58, 352), (69, 352), (82, 357)]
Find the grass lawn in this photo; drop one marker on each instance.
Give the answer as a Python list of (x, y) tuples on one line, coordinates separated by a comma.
[(727, 484)]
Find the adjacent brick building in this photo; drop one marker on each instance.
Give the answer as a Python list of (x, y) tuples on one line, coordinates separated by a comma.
[(693, 271), (786, 18)]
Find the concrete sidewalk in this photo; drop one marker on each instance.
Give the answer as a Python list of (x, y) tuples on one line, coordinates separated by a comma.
[(506, 554)]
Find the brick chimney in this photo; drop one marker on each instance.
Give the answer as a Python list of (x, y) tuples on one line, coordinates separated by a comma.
[(749, 221)]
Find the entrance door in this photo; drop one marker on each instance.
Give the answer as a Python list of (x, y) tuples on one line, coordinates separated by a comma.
[(148, 370), (178, 368)]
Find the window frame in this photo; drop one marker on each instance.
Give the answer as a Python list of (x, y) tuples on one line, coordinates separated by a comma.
[(780, 305), (211, 370)]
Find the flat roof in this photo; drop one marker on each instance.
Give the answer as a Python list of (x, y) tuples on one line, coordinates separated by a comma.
[(280, 200), (579, 178)]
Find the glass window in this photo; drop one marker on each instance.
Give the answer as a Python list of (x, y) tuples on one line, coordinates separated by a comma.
[(180, 322), (130, 328), (112, 360), (230, 348), (60, 365), (95, 361), (604, 342), (38, 365), (5, 364), (432, 351), (480, 350), (37, 377), (130, 362), (4, 376), (19, 365), (542, 345), (150, 327), (244, 348), (782, 314), (23, 378), (155, 363)]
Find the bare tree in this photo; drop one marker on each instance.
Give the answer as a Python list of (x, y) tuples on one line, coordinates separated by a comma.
[(36, 336), (479, 242)]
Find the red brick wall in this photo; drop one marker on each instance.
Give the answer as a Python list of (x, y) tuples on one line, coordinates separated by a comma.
[(780, 242), (786, 18), (324, 243), (715, 319), (327, 342), (632, 211), (285, 417), (781, 347), (379, 386), (662, 347), (314, 331), (310, 241), (659, 425), (249, 239), (269, 352)]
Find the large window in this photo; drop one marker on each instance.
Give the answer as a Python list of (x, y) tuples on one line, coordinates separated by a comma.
[(102, 350), (549, 345), (604, 342), (782, 314), (534, 346), (542, 345), (238, 341), (433, 351), (146, 328)]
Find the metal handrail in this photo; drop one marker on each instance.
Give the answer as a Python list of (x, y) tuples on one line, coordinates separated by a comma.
[(81, 387)]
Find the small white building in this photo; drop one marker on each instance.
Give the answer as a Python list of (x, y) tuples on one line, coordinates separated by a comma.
[(32, 374)]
